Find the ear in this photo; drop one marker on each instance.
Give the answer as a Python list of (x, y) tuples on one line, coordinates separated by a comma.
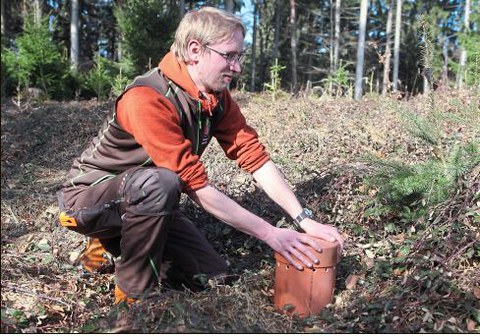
[(194, 50)]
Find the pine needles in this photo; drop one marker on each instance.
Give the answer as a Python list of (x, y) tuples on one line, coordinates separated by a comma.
[(408, 189), (423, 184)]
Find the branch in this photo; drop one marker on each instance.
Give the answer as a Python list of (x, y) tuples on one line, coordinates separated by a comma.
[(30, 293), (455, 255)]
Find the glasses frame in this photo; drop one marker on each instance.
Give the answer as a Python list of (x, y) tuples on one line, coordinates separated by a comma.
[(230, 58)]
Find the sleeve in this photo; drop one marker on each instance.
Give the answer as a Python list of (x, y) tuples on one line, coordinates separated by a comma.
[(154, 123), (238, 140)]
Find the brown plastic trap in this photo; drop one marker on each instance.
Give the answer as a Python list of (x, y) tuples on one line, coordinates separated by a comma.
[(308, 291)]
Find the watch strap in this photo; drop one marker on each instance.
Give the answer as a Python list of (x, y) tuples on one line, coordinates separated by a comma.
[(297, 227), (306, 213)]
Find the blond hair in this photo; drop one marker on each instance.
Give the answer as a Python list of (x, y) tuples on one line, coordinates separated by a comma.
[(207, 25)]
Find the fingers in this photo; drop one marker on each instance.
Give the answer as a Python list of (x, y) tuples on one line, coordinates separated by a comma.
[(323, 231), (307, 240), (335, 236), (331, 234), (292, 261), (301, 249), (295, 261), (300, 254)]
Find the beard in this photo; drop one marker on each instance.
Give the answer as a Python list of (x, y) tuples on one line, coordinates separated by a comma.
[(222, 82)]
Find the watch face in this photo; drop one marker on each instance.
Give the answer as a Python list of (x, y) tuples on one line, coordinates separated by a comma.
[(309, 213), (306, 213)]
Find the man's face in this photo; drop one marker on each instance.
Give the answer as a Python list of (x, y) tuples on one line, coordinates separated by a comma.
[(214, 71)]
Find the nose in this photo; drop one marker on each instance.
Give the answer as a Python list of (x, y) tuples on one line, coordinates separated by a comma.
[(236, 66)]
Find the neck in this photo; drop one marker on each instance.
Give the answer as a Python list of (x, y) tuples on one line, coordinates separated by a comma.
[(192, 70)]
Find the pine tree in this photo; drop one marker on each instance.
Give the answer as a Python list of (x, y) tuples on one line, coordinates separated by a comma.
[(147, 28)]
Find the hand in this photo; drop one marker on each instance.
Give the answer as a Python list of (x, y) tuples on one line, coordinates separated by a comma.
[(293, 246), (323, 231)]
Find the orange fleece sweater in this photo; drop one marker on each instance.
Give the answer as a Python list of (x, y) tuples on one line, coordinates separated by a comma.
[(155, 124)]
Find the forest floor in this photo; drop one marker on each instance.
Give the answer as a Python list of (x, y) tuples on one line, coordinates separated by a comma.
[(397, 275)]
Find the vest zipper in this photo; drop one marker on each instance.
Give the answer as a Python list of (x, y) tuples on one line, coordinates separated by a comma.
[(199, 128)]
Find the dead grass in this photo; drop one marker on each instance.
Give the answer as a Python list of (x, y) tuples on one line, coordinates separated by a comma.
[(421, 277)]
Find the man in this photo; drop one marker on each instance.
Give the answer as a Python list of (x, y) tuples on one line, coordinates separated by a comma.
[(123, 192)]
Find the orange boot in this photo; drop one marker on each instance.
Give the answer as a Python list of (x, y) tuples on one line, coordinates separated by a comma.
[(120, 297), (95, 258)]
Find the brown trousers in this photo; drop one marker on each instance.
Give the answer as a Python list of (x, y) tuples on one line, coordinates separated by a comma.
[(136, 217)]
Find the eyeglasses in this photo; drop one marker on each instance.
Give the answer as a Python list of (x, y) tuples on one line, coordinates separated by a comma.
[(230, 57)]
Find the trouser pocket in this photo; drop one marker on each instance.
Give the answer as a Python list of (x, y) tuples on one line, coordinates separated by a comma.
[(99, 221)]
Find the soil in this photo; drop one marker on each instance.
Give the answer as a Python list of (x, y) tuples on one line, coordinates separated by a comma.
[(396, 275)]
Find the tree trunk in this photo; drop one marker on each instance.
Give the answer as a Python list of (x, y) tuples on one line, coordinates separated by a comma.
[(254, 49), (25, 10), (261, 70), (38, 8), (445, 42), (118, 35), (293, 43), (5, 35), (75, 35), (229, 6), (276, 37), (396, 48), (336, 38), (361, 49), (4, 20), (181, 9), (332, 33), (386, 64), (463, 50)]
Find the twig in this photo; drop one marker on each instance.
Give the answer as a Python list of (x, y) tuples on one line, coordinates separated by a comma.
[(460, 251), (11, 211), (24, 291)]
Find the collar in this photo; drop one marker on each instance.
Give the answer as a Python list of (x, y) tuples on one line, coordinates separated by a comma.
[(177, 71)]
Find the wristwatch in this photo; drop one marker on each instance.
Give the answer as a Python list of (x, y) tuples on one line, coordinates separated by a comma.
[(306, 213)]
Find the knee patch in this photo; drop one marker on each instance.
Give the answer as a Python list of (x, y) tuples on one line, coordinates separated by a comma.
[(154, 191)]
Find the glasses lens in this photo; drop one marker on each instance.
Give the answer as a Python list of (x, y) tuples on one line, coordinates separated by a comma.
[(231, 57)]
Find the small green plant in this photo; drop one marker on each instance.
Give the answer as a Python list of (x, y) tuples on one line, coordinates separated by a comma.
[(36, 61), (424, 128), (99, 78), (124, 76), (275, 80), (414, 186), (370, 82), (119, 83), (473, 69), (337, 83), (407, 190), (470, 40), (14, 317), (427, 52), (155, 18)]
